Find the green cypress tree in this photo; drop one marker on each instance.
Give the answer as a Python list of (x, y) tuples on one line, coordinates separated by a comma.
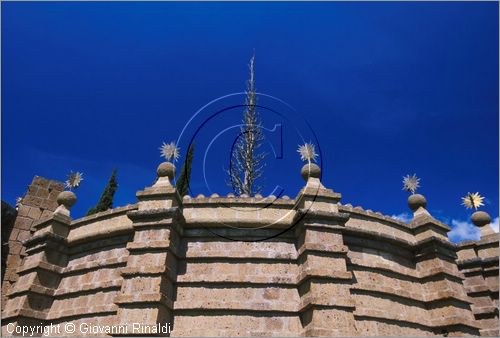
[(106, 200), (182, 184)]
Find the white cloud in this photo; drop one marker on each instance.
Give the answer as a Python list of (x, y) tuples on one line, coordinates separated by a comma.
[(460, 230), (403, 217), (494, 224), (466, 231), (463, 231)]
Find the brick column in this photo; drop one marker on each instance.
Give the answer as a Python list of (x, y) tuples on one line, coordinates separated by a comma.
[(147, 291), (435, 257), (478, 261), (30, 298), (326, 307), (39, 202)]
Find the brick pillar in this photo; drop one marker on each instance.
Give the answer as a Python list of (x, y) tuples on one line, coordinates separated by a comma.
[(478, 261), (9, 215), (30, 298), (39, 202), (435, 257), (326, 307), (147, 291), (482, 294)]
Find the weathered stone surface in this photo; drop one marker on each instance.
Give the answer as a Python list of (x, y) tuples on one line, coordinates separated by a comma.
[(32, 209), (338, 271)]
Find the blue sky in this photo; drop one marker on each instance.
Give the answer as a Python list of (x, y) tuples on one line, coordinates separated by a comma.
[(388, 89)]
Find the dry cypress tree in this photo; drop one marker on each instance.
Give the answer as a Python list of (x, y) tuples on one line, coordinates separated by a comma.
[(106, 200), (246, 164)]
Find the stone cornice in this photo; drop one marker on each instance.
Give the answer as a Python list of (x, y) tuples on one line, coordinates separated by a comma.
[(41, 265), (280, 203), (427, 220), (101, 233), (373, 215), (307, 214), (103, 215), (434, 246), (466, 244), (476, 262), (379, 236), (249, 223), (154, 214), (490, 240), (318, 192), (54, 218), (435, 241), (35, 242), (162, 217), (270, 201), (155, 192)]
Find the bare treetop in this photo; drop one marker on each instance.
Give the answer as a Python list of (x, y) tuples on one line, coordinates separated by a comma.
[(246, 164)]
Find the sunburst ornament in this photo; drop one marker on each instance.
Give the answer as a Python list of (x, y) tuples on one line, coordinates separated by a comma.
[(472, 200), (411, 183), (169, 151), (307, 152), (74, 180)]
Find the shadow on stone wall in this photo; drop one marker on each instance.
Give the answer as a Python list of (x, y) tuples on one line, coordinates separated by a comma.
[(8, 218)]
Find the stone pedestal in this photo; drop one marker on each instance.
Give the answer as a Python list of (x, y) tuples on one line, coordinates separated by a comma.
[(38, 203), (435, 258), (31, 297), (147, 291), (326, 308), (478, 261)]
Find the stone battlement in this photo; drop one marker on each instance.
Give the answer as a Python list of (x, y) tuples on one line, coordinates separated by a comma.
[(232, 266)]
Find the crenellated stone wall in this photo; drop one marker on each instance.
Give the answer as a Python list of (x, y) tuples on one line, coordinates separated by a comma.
[(229, 266)]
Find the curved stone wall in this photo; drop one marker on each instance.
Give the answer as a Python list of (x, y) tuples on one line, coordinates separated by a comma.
[(226, 266)]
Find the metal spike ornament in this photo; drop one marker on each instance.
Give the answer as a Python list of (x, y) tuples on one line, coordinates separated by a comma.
[(170, 151), (307, 152), (411, 183), (472, 200), (74, 180)]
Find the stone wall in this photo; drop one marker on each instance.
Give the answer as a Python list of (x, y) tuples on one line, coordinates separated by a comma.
[(226, 266), (478, 261), (39, 202), (9, 215)]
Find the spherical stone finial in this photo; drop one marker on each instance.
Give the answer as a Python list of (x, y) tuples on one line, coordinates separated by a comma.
[(66, 198), (166, 169), (310, 170), (480, 218), (416, 201)]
